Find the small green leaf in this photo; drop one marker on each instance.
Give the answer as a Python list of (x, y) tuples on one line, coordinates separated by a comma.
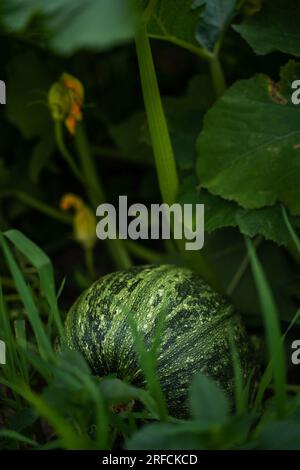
[(208, 402), (176, 21), (216, 17), (167, 437)]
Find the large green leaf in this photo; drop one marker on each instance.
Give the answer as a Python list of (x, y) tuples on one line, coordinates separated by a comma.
[(275, 27), (74, 24), (249, 149)]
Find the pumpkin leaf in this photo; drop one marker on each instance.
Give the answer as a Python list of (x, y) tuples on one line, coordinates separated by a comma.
[(74, 24), (280, 436), (216, 17), (274, 28), (208, 402), (166, 437), (220, 213), (255, 158)]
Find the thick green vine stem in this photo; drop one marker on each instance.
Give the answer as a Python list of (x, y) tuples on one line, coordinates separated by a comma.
[(161, 142), (217, 76), (162, 147), (216, 71)]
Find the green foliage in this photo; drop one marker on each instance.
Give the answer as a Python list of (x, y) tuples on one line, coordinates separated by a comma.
[(209, 405), (184, 115), (221, 213), (74, 24), (174, 21), (235, 149), (216, 17), (257, 128), (104, 410), (274, 28)]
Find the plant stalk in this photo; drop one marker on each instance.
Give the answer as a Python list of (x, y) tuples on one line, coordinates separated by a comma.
[(217, 75), (161, 142)]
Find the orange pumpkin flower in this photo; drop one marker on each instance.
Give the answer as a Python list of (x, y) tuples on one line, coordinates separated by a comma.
[(84, 221)]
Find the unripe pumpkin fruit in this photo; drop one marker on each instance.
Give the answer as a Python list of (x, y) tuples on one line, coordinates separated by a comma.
[(196, 336)]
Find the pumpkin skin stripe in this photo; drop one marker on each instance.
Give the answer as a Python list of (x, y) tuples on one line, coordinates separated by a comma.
[(195, 338)]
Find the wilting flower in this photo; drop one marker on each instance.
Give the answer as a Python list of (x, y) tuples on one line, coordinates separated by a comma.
[(65, 100), (84, 221)]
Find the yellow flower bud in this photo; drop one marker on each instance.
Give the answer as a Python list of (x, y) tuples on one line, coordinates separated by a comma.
[(84, 221), (65, 100)]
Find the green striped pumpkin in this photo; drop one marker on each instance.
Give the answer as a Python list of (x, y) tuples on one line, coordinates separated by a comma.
[(196, 333)]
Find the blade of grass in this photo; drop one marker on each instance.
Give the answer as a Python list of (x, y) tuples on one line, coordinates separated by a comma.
[(12, 360), (69, 437), (28, 301), (147, 359), (239, 392), (291, 230), (44, 267), (267, 375), (21, 342), (16, 436), (272, 328), (102, 424)]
